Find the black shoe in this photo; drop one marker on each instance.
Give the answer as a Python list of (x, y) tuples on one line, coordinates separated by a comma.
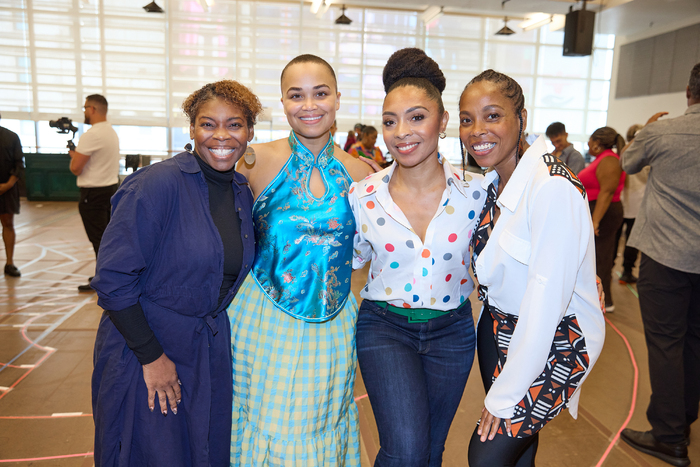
[(86, 287), (12, 271), (627, 278), (644, 441)]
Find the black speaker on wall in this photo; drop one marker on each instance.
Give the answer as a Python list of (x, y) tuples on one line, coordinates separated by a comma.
[(578, 33)]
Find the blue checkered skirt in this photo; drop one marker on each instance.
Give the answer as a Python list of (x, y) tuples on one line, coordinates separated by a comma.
[(293, 385)]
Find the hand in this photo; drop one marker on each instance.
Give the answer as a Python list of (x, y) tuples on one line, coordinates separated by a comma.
[(372, 163), (161, 377), (4, 187), (488, 427), (601, 293), (596, 228), (656, 116)]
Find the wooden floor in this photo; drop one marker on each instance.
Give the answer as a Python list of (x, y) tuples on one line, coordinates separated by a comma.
[(47, 331)]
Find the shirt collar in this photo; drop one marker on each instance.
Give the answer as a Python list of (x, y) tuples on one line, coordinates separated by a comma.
[(513, 191), (693, 109), (380, 180), (303, 153)]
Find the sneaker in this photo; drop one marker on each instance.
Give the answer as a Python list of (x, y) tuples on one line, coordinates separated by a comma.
[(12, 271), (627, 278), (609, 308)]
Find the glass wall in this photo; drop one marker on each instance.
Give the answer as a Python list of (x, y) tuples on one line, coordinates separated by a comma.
[(55, 52)]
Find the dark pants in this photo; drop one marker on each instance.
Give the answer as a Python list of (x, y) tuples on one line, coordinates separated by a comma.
[(605, 246), (629, 257), (415, 374), (502, 450), (670, 304), (94, 208)]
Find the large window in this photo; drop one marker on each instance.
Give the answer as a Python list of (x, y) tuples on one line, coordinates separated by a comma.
[(53, 53)]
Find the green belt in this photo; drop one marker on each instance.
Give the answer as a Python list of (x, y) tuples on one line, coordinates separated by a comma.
[(414, 315)]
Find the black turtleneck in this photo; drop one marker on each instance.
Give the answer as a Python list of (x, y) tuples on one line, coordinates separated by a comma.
[(223, 212)]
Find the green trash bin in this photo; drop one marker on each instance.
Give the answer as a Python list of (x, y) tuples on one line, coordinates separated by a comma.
[(48, 178)]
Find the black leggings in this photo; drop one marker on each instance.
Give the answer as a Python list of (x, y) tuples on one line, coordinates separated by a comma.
[(502, 450)]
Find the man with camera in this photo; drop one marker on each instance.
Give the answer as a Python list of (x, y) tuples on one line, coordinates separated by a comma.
[(95, 161), (11, 168)]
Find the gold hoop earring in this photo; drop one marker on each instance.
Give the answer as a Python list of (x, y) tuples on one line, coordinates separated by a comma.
[(249, 156), (443, 135)]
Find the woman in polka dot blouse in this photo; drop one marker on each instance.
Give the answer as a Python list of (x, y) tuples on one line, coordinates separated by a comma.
[(414, 220)]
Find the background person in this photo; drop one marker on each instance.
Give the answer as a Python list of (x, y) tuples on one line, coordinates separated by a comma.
[(95, 161), (177, 249), (293, 321), (604, 181), (366, 146), (631, 197), (565, 151), (666, 232), (541, 328), (353, 136), (11, 168)]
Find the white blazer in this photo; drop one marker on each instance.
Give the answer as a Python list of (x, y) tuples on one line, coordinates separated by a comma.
[(539, 264)]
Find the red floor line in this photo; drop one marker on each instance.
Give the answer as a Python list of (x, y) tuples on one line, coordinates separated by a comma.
[(65, 456), (634, 394), (36, 365), (37, 417)]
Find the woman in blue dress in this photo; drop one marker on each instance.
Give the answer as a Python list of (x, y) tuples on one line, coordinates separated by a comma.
[(170, 262), (293, 320)]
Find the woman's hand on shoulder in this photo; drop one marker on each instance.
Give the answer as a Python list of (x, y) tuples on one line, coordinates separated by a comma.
[(356, 168), (160, 377)]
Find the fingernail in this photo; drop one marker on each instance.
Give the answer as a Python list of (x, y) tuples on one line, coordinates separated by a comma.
[(179, 400), (175, 411), (151, 409), (165, 412)]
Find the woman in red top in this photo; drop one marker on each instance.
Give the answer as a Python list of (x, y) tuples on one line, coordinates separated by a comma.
[(604, 180)]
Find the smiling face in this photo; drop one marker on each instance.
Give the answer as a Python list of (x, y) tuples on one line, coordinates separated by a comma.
[(412, 123), (310, 101), (489, 126), (560, 141), (220, 133)]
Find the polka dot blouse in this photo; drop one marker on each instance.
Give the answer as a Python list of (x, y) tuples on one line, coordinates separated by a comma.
[(405, 271)]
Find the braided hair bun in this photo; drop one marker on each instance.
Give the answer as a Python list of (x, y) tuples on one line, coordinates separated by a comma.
[(412, 63)]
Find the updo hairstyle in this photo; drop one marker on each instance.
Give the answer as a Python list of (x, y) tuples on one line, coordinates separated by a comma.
[(232, 92), (608, 138), (412, 67)]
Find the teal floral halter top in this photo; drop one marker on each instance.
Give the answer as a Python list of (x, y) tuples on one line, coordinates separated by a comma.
[(303, 254)]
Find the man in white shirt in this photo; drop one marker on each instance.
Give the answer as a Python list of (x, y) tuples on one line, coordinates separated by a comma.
[(96, 163)]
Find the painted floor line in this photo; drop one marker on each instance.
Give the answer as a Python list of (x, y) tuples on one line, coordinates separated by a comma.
[(31, 459)]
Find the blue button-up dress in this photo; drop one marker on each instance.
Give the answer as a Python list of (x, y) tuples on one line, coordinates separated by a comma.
[(162, 249)]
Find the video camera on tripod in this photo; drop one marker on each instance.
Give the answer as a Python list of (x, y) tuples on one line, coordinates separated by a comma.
[(64, 125)]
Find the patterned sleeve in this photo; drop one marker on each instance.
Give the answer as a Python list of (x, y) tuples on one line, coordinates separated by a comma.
[(362, 249)]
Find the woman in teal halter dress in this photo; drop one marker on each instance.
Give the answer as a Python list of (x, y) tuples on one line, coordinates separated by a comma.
[(293, 320)]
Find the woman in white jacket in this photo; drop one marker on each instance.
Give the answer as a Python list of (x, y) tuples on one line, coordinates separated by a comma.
[(541, 328)]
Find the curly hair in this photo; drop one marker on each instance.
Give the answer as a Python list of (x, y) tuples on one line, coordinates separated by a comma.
[(412, 67), (694, 81), (228, 90), (308, 58), (608, 138), (510, 89)]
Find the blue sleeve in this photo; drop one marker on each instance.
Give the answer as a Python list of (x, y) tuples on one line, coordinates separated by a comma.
[(132, 239)]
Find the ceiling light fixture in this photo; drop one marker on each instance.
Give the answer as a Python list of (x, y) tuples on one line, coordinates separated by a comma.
[(342, 19), (324, 8), (535, 21), (431, 14), (505, 30), (153, 8)]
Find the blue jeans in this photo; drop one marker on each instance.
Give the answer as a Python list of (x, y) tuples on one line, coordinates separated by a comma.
[(415, 375)]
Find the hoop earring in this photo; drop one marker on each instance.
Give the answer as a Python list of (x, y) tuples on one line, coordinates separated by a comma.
[(443, 135), (188, 148), (249, 156)]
